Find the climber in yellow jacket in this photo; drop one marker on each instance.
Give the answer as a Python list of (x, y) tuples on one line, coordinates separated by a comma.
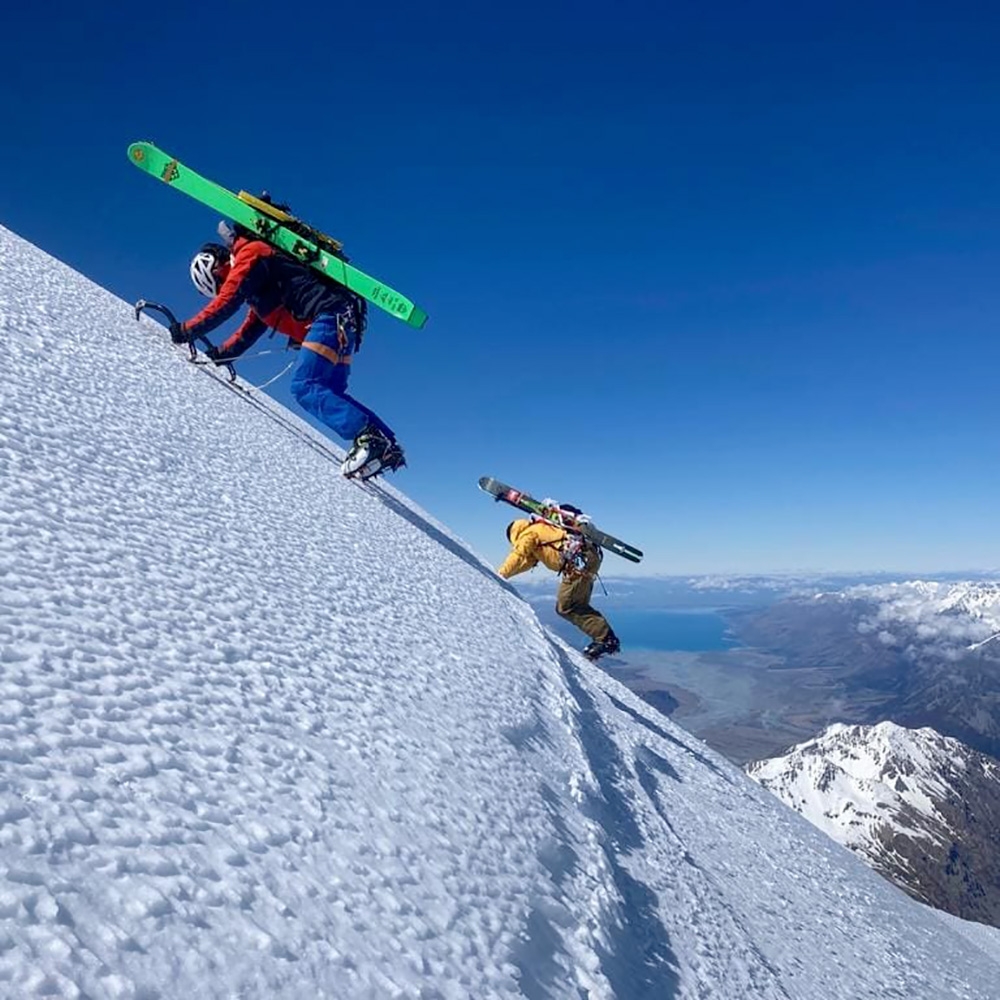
[(577, 561)]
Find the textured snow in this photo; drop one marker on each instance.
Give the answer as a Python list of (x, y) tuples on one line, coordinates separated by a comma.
[(266, 733), (984, 937)]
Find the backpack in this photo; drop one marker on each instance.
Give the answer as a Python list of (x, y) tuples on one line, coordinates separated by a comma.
[(575, 552), (358, 306), (574, 549)]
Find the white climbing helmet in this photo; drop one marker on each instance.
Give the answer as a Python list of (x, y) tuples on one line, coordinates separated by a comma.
[(205, 266)]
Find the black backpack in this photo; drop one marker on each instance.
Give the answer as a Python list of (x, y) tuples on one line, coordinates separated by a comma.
[(358, 305)]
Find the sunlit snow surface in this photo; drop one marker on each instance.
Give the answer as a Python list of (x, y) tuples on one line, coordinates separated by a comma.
[(268, 734)]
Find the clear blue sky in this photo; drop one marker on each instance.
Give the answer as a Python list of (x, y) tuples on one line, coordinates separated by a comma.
[(724, 275)]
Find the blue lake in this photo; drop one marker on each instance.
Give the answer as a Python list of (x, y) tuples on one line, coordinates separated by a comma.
[(672, 630), (688, 630)]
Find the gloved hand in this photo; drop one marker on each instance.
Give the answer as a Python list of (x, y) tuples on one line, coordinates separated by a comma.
[(177, 333)]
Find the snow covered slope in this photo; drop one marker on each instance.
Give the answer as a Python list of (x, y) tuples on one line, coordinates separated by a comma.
[(921, 808), (266, 733)]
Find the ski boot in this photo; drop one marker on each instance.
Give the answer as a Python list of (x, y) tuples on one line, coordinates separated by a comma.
[(599, 647), (372, 453)]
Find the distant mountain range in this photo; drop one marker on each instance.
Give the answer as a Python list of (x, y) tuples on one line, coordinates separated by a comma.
[(920, 653), (920, 808), (813, 651)]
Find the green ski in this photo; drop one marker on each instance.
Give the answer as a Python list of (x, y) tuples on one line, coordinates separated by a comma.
[(277, 227)]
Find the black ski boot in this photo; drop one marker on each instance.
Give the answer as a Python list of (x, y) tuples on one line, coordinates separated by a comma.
[(372, 452), (599, 647)]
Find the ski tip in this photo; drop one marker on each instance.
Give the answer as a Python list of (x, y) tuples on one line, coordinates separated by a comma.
[(417, 318), (150, 160)]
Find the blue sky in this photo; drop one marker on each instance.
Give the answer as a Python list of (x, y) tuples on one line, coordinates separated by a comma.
[(724, 276)]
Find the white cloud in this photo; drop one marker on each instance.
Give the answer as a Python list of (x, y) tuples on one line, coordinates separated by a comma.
[(951, 613)]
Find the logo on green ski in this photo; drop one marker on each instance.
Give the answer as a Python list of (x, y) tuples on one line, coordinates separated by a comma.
[(388, 299), (170, 172)]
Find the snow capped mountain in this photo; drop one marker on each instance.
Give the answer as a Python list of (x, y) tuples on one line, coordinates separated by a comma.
[(921, 808), (267, 733)]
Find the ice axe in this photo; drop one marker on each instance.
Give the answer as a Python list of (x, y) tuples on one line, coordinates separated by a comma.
[(143, 305)]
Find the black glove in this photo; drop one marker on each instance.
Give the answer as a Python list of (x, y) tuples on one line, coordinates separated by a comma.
[(177, 333)]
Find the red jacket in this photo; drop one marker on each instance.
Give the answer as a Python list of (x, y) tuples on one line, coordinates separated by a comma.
[(250, 330), (282, 294)]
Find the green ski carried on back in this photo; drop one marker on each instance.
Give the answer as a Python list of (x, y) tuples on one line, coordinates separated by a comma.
[(277, 227)]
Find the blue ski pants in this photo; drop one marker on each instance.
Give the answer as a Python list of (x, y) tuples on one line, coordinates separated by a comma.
[(320, 381)]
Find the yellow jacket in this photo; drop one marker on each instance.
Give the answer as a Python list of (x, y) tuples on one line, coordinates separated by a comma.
[(539, 542)]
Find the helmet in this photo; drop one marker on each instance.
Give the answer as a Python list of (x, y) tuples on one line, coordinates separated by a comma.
[(209, 268)]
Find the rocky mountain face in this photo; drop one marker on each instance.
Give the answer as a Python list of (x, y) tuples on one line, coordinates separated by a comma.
[(921, 808)]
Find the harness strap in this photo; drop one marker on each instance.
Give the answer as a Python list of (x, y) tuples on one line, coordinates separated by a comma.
[(328, 352), (567, 568)]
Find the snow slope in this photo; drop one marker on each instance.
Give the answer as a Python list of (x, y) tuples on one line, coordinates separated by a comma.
[(266, 733)]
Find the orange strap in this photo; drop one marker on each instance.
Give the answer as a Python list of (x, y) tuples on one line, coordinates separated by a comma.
[(328, 352)]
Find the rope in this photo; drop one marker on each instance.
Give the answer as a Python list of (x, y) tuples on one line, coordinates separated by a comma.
[(274, 378), (318, 444), (261, 354)]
